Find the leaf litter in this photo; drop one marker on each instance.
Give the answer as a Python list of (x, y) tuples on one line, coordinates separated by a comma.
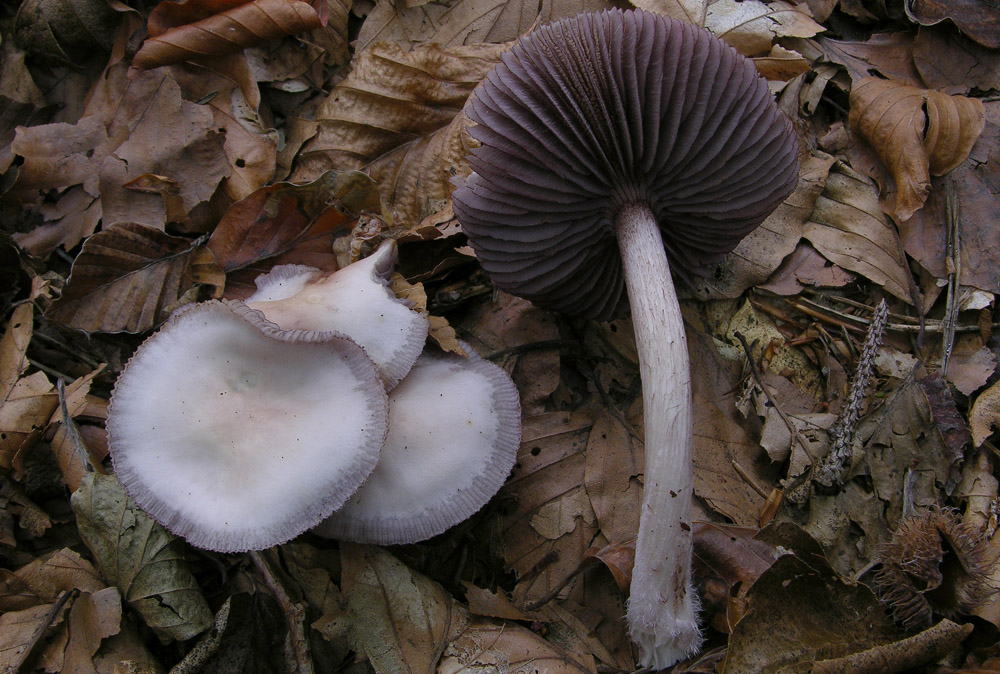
[(128, 193)]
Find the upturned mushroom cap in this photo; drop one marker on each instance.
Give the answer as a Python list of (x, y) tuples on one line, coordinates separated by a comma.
[(356, 301), (590, 114), (454, 430), (238, 436)]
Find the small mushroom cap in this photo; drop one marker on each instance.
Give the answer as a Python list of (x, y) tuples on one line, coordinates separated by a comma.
[(238, 436), (587, 115), (356, 301), (454, 430)]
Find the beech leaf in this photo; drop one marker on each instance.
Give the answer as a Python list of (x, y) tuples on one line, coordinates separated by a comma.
[(916, 133), (752, 26), (127, 278), (140, 557), (24, 413), (392, 97), (400, 617), (493, 646), (229, 32)]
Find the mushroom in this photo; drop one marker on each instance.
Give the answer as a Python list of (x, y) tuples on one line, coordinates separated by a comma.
[(454, 430), (239, 436), (616, 147), (355, 300)]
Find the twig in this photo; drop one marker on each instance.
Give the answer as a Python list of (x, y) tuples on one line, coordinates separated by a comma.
[(830, 470), (294, 612), (759, 378), (954, 265), (37, 641)]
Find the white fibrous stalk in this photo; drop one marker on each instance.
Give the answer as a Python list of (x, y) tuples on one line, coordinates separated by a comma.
[(663, 606)]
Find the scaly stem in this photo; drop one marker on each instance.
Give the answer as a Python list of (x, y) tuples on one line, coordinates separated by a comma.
[(663, 607)]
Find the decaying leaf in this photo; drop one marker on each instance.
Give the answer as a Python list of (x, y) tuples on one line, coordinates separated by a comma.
[(917, 133), (390, 98), (400, 617), (849, 229), (288, 224), (63, 33), (985, 414), (127, 278), (139, 557), (246, 25), (800, 611), (42, 580), (24, 413), (488, 645), (975, 18), (752, 27)]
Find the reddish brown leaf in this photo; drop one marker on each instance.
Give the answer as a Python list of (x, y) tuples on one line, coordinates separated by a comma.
[(232, 31), (173, 13), (126, 279), (288, 224), (618, 558)]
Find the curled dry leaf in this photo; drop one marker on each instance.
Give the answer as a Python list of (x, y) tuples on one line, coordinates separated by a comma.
[(127, 278), (916, 133), (140, 557), (232, 31)]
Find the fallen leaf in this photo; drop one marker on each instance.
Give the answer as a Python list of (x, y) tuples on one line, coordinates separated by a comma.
[(752, 26), (127, 278), (288, 224), (74, 456), (60, 33), (246, 25), (968, 66), (805, 268), (848, 228), (614, 462), (140, 558), (21, 630), (985, 414), (688, 11), (978, 19), (800, 611), (465, 22), (92, 618), (887, 54), (916, 133), (401, 617), (24, 413), (973, 188), (390, 98), (42, 580), (487, 645), (14, 347)]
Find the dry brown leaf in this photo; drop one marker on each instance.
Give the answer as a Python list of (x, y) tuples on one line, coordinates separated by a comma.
[(752, 26), (487, 645), (41, 581), (288, 224), (968, 65), (917, 133), (887, 54), (24, 413), (689, 11), (978, 19), (14, 347), (401, 617), (229, 32), (762, 251), (72, 452), (614, 463), (547, 479), (390, 98), (416, 177), (64, 33), (20, 630), (464, 22), (805, 267), (92, 618), (985, 414), (126, 279), (781, 64), (849, 229)]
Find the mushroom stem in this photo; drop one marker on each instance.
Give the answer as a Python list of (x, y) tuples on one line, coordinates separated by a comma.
[(662, 609)]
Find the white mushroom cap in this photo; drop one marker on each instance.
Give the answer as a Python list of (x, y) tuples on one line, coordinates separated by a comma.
[(238, 436), (355, 301), (454, 430)]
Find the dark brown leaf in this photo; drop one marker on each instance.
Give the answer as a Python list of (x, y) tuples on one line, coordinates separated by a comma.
[(126, 279), (246, 25), (979, 19)]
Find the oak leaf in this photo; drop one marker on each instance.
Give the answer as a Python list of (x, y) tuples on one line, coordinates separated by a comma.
[(916, 133)]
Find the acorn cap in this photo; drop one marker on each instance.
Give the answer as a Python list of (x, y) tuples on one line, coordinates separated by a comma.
[(238, 436), (590, 114)]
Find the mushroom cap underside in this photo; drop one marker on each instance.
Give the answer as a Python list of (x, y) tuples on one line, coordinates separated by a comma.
[(237, 436), (454, 430), (587, 115)]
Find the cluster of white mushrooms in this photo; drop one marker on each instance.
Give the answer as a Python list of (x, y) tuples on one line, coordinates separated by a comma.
[(313, 404)]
